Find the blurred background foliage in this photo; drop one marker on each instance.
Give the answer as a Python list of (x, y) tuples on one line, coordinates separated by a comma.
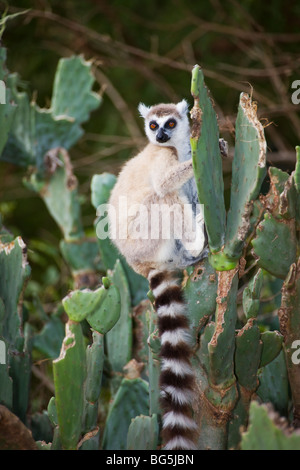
[(143, 51)]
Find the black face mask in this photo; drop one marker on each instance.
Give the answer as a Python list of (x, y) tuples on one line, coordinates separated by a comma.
[(161, 136)]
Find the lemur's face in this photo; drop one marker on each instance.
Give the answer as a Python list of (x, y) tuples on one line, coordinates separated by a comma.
[(161, 129), (165, 124)]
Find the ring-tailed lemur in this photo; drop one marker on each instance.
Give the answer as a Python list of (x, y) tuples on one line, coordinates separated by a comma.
[(161, 177)]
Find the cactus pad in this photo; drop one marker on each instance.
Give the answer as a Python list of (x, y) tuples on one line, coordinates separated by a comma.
[(248, 172)]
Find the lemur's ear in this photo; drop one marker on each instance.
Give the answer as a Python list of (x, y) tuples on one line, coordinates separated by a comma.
[(143, 110), (182, 107)]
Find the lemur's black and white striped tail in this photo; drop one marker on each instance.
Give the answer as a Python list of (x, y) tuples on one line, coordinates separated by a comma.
[(176, 377)]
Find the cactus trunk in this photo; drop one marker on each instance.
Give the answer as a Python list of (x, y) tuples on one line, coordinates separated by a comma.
[(289, 316)]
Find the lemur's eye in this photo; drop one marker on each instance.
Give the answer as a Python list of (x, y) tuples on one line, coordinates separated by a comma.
[(171, 123), (153, 125)]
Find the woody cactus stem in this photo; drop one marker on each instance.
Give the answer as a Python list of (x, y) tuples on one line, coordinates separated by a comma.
[(220, 354), (289, 316), (220, 395)]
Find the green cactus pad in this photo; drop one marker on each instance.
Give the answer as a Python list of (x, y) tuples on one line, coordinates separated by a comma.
[(82, 254), (48, 341), (297, 169), (69, 371), (92, 389), (200, 293), (143, 433), (266, 432), (207, 161), (251, 295), (72, 95), (281, 198), (274, 384), (60, 195), (239, 419), (101, 186), (42, 445), (154, 389), (35, 131), (3, 70), (248, 172), (80, 303), (248, 354), (52, 411), (20, 146), (278, 178), (119, 338), (272, 345), (14, 271), (131, 400), (107, 314), (95, 361), (296, 179), (52, 132), (273, 238), (16, 373)]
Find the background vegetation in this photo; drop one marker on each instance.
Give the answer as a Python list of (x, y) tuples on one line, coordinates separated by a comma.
[(141, 52)]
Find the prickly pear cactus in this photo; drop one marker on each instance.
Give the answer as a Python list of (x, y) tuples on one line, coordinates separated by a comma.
[(106, 391), (16, 363), (233, 351), (35, 131), (78, 373), (39, 139)]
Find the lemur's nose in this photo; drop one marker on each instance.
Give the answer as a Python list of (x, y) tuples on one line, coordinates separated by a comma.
[(161, 136)]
